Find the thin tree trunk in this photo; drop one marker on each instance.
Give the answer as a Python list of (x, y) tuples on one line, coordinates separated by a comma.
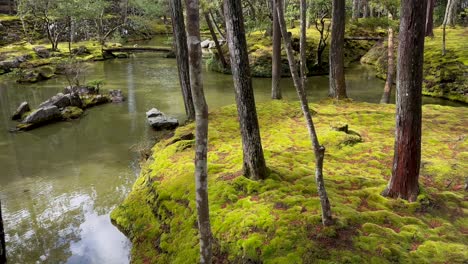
[(365, 12), (444, 51), (181, 50), (319, 150), (276, 57), (391, 67), (407, 157), (356, 11), (2, 239), (221, 34), (337, 77), (215, 39), (254, 161), (201, 133), (430, 19)]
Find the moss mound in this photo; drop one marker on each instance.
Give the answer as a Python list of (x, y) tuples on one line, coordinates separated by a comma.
[(278, 220), (444, 76)]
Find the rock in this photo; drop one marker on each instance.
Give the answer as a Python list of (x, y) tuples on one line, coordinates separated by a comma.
[(61, 100), (93, 100), (206, 43), (20, 111), (121, 55), (7, 65), (28, 76), (116, 96), (43, 115), (81, 50), (212, 45), (81, 90), (153, 112), (42, 51), (71, 112), (46, 72), (160, 121)]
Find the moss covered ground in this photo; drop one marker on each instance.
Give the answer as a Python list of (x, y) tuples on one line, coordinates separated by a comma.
[(277, 220), (444, 76), (260, 51)]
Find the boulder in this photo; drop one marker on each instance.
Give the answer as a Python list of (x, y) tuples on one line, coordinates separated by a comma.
[(42, 51), (61, 100), (7, 65), (81, 50), (29, 76), (212, 45), (206, 43), (71, 112), (159, 121), (43, 115), (81, 90), (116, 96), (94, 100), (21, 110)]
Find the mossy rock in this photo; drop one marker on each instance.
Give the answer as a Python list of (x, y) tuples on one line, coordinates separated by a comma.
[(278, 220), (71, 112)]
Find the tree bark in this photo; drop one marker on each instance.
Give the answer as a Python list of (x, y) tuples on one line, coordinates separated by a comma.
[(407, 157), (319, 150), (391, 66), (215, 39), (223, 37), (276, 57), (337, 77), (254, 161), (2, 239), (430, 19), (450, 13), (181, 50), (201, 132)]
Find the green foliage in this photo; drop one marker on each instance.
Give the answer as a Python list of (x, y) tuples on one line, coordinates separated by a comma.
[(278, 220)]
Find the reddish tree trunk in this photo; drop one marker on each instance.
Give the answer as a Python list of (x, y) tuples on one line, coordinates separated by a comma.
[(430, 19), (254, 161), (407, 156), (337, 77), (276, 58)]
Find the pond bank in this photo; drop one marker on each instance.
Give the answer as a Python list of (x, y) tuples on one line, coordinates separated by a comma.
[(278, 220)]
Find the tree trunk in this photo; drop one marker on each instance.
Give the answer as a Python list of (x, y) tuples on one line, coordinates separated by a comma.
[(444, 51), (337, 77), (201, 132), (223, 37), (407, 156), (319, 150), (215, 39), (181, 50), (451, 12), (2, 239), (391, 67), (365, 11), (430, 19), (356, 9), (254, 161), (276, 58)]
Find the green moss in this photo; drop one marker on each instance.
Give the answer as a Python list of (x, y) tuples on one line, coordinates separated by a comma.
[(71, 112), (444, 76), (277, 220)]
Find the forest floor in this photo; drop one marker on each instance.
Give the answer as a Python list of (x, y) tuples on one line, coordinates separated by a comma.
[(278, 220)]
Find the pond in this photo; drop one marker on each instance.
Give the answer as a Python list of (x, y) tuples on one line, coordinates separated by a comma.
[(59, 183)]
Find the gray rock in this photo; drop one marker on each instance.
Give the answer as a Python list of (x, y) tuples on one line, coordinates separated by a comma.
[(43, 115), (81, 50), (153, 112), (21, 110), (116, 96), (206, 43), (159, 121), (212, 45), (7, 65), (42, 51), (163, 122), (61, 100)]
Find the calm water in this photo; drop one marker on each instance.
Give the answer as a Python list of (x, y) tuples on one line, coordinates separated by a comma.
[(59, 183)]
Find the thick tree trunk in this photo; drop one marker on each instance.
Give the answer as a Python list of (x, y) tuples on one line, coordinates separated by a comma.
[(201, 132), (430, 18), (276, 58), (254, 161), (356, 9), (319, 150), (2, 239), (407, 156), (337, 77), (391, 66), (215, 39), (181, 50), (450, 12)]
